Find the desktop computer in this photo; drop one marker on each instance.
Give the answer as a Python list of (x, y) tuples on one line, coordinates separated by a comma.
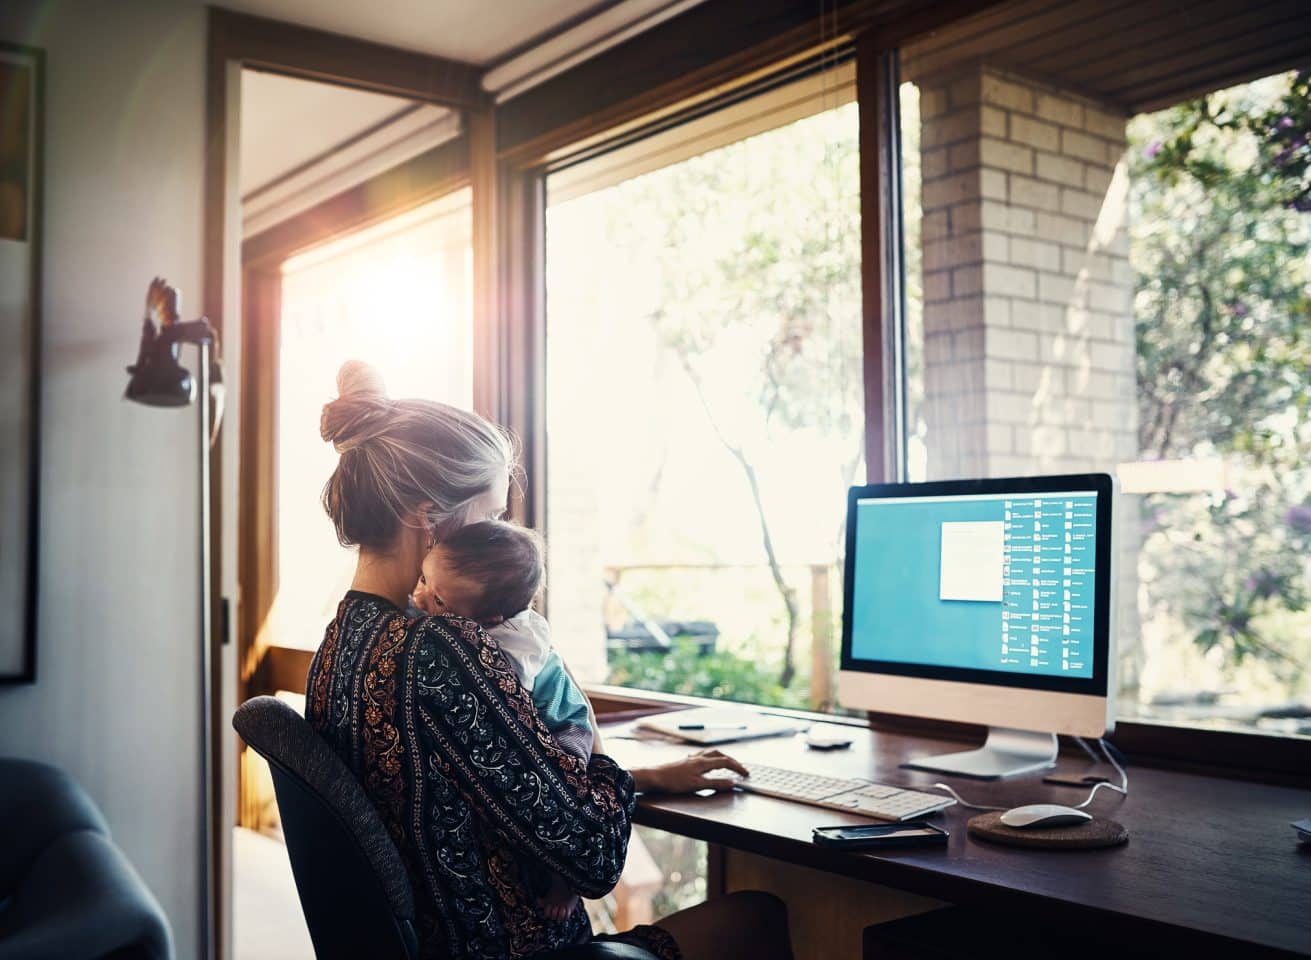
[(988, 602)]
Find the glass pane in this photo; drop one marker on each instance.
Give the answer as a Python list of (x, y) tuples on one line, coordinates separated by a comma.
[(398, 296), (1096, 289), (704, 403)]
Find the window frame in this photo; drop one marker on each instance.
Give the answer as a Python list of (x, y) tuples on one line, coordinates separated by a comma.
[(1233, 753), (425, 179), (767, 102), (521, 173)]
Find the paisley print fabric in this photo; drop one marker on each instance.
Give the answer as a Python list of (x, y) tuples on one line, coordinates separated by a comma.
[(430, 716)]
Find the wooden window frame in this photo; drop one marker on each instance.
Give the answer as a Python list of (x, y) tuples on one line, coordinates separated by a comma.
[(596, 121), (264, 665), (1230, 753), (236, 41)]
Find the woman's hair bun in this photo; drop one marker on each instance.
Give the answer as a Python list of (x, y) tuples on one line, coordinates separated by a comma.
[(357, 379), (361, 410)]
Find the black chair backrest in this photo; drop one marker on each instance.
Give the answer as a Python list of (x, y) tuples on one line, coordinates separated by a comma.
[(351, 880)]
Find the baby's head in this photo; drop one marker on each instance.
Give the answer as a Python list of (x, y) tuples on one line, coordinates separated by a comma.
[(487, 571)]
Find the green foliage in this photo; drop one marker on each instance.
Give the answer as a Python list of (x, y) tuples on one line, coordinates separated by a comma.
[(770, 286), (755, 251), (682, 860), (720, 675), (1221, 272), (773, 283), (1271, 116), (1234, 566), (1221, 252)]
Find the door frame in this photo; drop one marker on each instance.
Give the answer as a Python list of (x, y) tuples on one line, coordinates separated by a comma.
[(237, 41)]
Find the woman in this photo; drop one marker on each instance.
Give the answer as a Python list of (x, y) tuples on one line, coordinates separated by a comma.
[(431, 718)]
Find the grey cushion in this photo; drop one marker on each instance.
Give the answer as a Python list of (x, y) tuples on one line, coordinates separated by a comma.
[(82, 899), (38, 803), (281, 735), (65, 890)]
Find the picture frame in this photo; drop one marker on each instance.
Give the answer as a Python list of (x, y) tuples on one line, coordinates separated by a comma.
[(22, 102)]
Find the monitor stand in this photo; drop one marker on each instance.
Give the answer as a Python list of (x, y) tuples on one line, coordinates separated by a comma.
[(1006, 753)]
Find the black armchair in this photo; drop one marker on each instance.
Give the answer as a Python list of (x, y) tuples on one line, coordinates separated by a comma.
[(352, 884), (65, 890)]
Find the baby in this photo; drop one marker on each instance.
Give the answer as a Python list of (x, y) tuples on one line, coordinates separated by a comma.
[(490, 572)]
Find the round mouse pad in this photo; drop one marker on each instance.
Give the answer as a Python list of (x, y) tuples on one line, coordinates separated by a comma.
[(1081, 836)]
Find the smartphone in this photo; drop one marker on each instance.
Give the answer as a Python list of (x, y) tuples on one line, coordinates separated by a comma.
[(875, 835)]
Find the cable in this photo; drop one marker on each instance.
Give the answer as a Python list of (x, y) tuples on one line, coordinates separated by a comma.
[(1122, 788), (1083, 745)]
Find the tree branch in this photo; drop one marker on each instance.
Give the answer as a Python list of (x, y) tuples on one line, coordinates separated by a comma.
[(785, 590)]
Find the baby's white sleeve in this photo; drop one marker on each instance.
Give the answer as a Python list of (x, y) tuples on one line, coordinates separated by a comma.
[(526, 641)]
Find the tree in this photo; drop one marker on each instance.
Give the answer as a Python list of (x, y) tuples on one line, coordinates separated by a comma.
[(759, 280), (1220, 247)]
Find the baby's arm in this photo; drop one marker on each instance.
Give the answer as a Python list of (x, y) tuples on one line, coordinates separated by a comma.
[(525, 640), (597, 745), (563, 707)]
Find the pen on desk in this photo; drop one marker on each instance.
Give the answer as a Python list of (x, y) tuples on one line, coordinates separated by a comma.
[(712, 726)]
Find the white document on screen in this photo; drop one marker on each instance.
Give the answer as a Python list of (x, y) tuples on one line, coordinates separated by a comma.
[(971, 561)]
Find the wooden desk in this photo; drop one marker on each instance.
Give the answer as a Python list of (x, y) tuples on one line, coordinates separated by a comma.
[(1210, 864)]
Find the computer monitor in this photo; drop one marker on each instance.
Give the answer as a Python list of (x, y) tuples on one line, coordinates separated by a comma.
[(983, 601)]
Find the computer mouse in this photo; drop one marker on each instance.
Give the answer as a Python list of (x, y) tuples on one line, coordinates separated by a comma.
[(818, 738), (1043, 815)]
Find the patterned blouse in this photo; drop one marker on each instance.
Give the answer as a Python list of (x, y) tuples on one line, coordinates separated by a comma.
[(479, 798)]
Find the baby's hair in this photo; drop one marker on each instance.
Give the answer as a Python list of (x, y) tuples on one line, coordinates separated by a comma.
[(506, 559)]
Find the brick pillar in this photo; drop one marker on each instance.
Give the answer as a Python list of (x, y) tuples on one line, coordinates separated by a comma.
[(1029, 348)]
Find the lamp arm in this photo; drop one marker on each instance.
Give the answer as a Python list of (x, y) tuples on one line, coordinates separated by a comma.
[(202, 332), (192, 331)]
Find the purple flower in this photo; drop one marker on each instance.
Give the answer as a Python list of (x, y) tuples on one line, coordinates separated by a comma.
[(1238, 309), (1299, 519), (1152, 149), (1285, 122), (1283, 156), (1264, 584), (1152, 520)]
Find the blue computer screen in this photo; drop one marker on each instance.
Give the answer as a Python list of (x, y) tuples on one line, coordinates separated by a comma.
[(985, 582)]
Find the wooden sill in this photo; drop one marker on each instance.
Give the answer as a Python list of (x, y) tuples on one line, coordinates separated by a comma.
[(280, 668), (1229, 754), (655, 701)]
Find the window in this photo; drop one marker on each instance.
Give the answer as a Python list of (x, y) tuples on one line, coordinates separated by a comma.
[(1105, 273), (396, 295), (705, 399)]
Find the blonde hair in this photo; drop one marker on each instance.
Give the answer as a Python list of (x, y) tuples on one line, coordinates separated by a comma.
[(398, 454)]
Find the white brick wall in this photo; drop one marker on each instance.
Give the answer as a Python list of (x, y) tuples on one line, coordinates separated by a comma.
[(1022, 294)]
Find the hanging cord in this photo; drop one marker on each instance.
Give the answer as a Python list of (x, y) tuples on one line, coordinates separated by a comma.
[(1122, 788)]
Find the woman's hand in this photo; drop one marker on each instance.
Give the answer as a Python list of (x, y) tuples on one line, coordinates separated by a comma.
[(690, 774)]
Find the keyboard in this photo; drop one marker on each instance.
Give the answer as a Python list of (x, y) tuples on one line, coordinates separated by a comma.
[(850, 796)]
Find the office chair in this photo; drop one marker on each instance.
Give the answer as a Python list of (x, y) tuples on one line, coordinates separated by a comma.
[(352, 884)]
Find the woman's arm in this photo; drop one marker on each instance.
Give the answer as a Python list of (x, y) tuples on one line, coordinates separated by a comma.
[(687, 775)]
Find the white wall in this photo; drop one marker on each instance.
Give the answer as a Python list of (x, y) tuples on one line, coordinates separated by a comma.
[(115, 702)]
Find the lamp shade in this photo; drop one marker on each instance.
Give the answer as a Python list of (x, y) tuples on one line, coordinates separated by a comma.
[(158, 380)]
